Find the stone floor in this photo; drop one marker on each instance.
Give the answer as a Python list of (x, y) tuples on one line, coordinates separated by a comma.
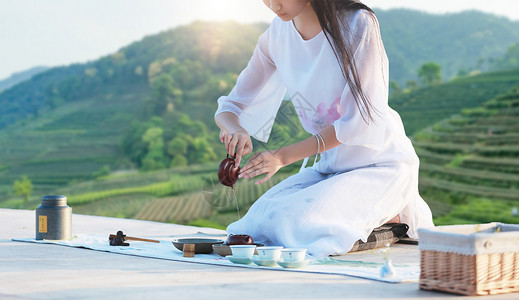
[(38, 271)]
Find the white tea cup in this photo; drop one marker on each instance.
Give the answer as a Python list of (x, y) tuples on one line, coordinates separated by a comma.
[(269, 252), (293, 254), (243, 251)]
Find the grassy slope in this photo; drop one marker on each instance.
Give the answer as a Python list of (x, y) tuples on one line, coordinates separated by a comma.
[(470, 163), (70, 143), (429, 105)]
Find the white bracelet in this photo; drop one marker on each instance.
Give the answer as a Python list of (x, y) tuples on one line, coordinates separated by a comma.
[(318, 148), (322, 140)]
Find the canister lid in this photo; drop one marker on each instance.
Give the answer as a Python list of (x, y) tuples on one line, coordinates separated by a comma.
[(54, 200)]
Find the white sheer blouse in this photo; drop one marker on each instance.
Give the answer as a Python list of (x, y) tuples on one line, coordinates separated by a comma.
[(308, 71)]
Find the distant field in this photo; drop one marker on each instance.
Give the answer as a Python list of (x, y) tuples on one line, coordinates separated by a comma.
[(187, 195)]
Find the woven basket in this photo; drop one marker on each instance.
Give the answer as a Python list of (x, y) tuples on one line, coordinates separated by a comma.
[(470, 259)]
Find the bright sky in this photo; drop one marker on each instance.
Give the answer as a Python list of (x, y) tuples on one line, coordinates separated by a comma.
[(60, 32)]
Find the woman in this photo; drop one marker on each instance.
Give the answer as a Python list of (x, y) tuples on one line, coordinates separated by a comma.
[(328, 55)]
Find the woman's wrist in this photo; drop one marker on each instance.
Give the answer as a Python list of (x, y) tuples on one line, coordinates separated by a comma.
[(229, 122), (308, 147), (283, 154), (292, 153)]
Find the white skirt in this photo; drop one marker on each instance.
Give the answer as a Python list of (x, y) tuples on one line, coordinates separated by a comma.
[(328, 213)]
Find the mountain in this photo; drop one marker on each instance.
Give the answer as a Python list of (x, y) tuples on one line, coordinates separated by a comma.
[(18, 77), (202, 48), (455, 40)]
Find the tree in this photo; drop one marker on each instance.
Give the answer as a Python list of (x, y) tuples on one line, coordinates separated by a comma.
[(164, 95), (133, 144), (105, 170), (178, 161), (480, 64), (202, 152), (177, 148), (430, 73), (155, 158), (23, 187), (394, 87), (462, 72), (509, 61), (411, 85)]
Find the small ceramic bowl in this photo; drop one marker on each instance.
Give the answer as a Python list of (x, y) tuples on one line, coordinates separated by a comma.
[(293, 254), (225, 250), (269, 252), (243, 251)]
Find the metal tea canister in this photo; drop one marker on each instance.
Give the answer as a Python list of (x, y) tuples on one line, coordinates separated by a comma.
[(54, 219)]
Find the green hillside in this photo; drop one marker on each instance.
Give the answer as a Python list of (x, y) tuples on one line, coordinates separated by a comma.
[(432, 104), (467, 40), (203, 54), (21, 76), (203, 49), (69, 144), (70, 122), (470, 163)]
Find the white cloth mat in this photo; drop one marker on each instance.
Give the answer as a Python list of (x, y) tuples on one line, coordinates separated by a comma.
[(366, 268)]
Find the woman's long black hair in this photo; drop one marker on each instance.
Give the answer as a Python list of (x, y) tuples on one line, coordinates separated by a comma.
[(328, 13)]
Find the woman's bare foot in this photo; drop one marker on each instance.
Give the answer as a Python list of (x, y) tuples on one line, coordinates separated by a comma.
[(394, 220)]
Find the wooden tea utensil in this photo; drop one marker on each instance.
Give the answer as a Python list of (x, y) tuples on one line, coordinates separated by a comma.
[(188, 250), (131, 238)]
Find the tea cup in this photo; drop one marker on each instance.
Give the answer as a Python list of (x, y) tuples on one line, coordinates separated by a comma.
[(293, 254), (269, 252), (243, 251)]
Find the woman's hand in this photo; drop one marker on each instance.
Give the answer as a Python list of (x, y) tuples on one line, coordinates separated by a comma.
[(237, 143), (268, 162)]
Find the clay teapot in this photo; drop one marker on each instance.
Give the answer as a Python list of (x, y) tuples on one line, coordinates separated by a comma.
[(227, 172), (239, 239)]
